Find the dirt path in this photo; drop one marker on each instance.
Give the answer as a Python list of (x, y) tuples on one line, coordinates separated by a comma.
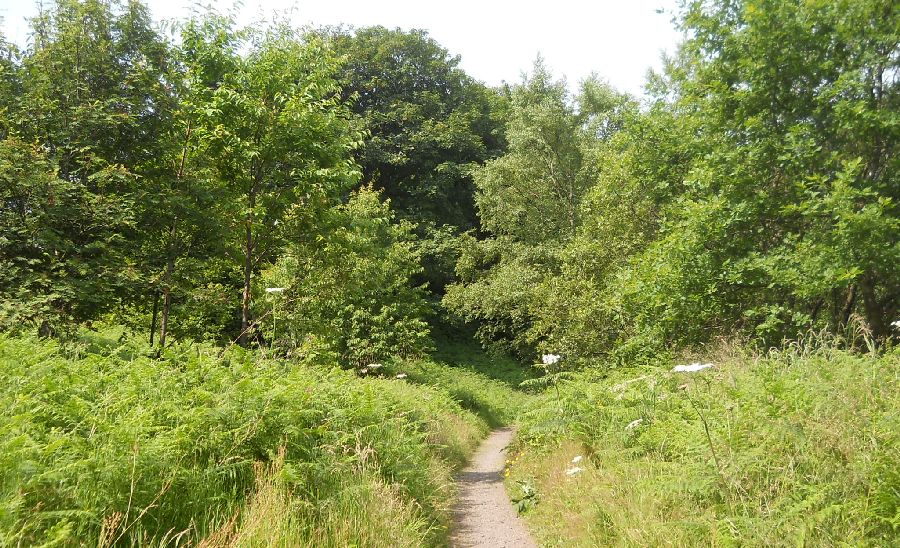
[(483, 515)]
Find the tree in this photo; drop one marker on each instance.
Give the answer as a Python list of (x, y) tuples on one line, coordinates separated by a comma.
[(182, 202), (91, 95), (799, 122), (280, 139), (757, 196), (350, 285), (61, 249), (429, 124), (532, 192), (530, 201)]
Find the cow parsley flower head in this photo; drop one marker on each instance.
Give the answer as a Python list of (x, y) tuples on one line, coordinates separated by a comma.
[(895, 324), (574, 470), (634, 424), (550, 359), (401, 375), (692, 368), (577, 459)]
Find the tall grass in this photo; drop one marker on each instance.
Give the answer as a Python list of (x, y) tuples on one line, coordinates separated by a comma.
[(493, 400), (111, 447), (796, 447)]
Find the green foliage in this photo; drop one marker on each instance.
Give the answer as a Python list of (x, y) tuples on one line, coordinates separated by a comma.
[(461, 350), (350, 286), (62, 247), (798, 446), (530, 201), (281, 139), (755, 195), (532, 192), (429, 124), (109, 444), (493, 400), (528, 497), (796, 132), (87, 109)]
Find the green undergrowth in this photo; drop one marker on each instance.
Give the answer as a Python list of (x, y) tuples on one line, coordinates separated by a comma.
[(107, 445), (493, 400), (798, 448), (468, 354)]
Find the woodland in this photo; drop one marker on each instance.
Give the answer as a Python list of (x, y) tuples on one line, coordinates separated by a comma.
[(272, 285)]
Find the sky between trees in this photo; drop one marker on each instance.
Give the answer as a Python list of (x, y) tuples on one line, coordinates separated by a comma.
[(496, 40)]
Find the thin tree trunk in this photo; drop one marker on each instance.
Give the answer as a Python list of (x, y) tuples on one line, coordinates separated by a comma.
[(155, 312), (170, 260), (873, 309), (167, 295), (848, 306), (248, 267)]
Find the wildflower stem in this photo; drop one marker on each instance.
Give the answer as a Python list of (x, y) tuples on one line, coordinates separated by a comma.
[(709, 440)]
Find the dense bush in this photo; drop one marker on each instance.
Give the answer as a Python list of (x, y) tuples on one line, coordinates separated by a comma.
[(351, 286), (756, 194)]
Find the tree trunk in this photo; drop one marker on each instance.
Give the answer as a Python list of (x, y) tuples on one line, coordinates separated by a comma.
[(172, 247), (155, 312), (873, 309), (848, 307), (167, 293), (248, 268)]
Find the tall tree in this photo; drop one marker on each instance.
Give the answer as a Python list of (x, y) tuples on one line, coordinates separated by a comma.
[(799, 107), (91, 93), (181, 217), (429, 125), (529, 202), (279, 137)]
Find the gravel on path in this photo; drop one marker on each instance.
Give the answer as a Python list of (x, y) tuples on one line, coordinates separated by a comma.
[(483, 514)]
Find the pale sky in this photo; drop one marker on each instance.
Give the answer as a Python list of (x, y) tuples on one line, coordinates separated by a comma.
[(496, 39)]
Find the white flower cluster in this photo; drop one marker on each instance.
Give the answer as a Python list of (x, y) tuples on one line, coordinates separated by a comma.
[(692, 368), (371, 368), (575, 469), (550, 359), (895, 324)]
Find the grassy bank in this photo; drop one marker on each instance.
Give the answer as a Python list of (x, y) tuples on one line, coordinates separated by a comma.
[(794, 448), (108, 446)]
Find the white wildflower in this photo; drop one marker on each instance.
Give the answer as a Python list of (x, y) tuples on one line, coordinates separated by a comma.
[(274, 289), (896, 324), (574, 470), (374, 366), (577, 459), (550, 359), (634, 424), (692, 368), (401, 375)]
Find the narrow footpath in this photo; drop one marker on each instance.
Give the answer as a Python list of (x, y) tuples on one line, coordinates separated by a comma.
[(483, 515)]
